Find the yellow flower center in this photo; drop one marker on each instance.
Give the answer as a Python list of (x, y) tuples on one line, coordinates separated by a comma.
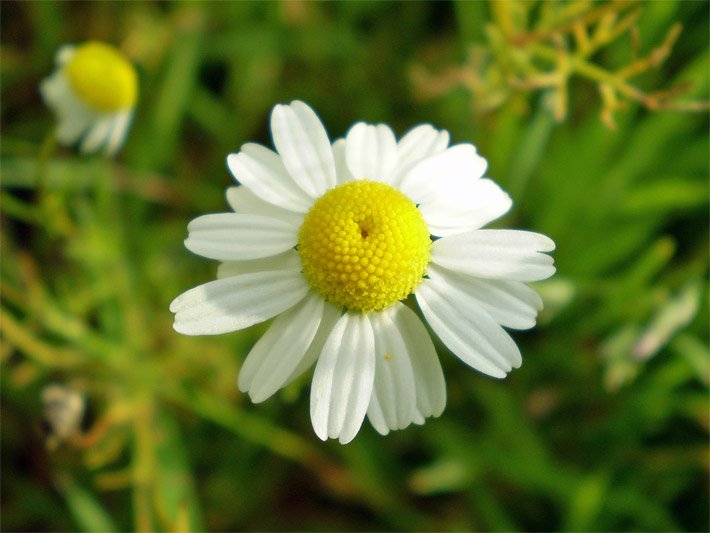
[(102, 77), (364, 245)]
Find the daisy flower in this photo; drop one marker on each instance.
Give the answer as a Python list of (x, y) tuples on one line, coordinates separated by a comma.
[(331, 239), (93, 92)]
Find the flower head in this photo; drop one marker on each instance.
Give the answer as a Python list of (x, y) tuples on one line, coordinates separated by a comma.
[(93, 92), (331, 238)]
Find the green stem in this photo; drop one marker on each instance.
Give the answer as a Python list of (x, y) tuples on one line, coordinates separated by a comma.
[(585, 69)]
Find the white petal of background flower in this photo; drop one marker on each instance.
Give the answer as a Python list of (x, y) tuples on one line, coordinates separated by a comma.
[(118, 134), (476, 204), (302, 143), (510, 303), (229, 236), (242, 200), (70, 129), (279, 351), (393, 400), (343, 379), (74, 118), (497, 254), (418, 143), (55, 86), (64, 54), (97, 135), (428, 376), (262, 171), (371, 151), (467, 330), (236, 302), (443, 173), (289, 260)]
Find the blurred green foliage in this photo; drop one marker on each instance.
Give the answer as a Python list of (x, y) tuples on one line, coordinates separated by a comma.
[(603, 428)]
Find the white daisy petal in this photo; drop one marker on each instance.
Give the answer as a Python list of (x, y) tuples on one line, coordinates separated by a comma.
[(242, 200), (497, 254), (467, 330), (393, 395), (118, 134), (302, 143), (64, 54), (70, 129), (97, 135), (52, 89), (418, 143), (237, 302), (343, 379), (510, 303), (331, 314), (472, 207), (371, 151), (279, 351), (289, 260), (263, 172), (341, 165), (444, 172), (74, 118), (428, 376), (229, 236), (376, 415), (491, 332)]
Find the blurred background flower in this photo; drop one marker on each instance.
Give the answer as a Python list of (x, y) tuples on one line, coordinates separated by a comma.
[(593, 117), (92, 91)]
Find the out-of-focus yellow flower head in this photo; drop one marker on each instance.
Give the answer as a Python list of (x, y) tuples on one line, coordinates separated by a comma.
[(93, 91)]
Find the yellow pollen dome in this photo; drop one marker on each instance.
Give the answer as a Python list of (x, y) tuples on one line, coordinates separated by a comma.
[(364, 245), (102, 77)]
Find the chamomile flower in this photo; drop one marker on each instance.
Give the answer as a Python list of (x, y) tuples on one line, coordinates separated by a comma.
[(331, 239), (93, 92)]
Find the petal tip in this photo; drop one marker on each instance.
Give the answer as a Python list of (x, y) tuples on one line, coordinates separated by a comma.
[(242, 385), (182, 328), (258, 396), (321, 433), (345, 439), (232, 160), (546, 244), (301, 104), (175, 304)]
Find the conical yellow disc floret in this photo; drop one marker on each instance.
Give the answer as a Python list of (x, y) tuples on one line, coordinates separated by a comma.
[(102, 77), (364, 245)]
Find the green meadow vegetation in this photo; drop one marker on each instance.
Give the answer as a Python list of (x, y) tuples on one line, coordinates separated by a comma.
[(592, 115)]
